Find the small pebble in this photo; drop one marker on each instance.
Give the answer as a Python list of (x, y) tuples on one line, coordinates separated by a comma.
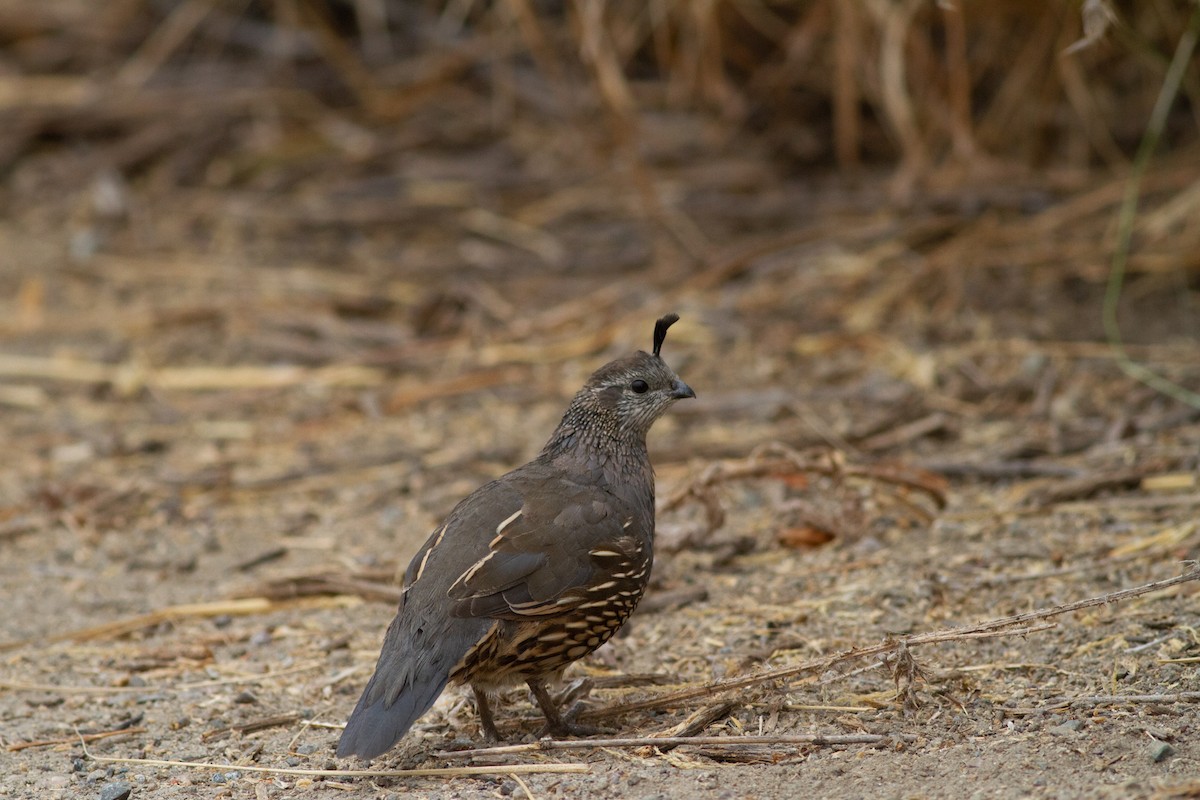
[(115, 791), (83, 244), (1160, 750), (73, 453), (1066, 728)]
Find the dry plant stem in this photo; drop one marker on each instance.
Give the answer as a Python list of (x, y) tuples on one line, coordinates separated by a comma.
[(111, 630), (1128, 213), (327, 584), (1015, 625), (601, 57), (847, 125), (341, 58), (20, 526), (814, 739), (1094, 566), (1074, 83), (698, 721), (895, 21), (22, 686), (958, 79), (1084, 487), (732, 262), (251, 727), (524, 786), (1109, 700), (166, 39), (508, 769), (780, 460), (88, 737)]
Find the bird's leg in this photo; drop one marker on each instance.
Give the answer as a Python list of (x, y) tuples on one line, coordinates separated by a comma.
[(486, 723), (573, 696), (556, 723)]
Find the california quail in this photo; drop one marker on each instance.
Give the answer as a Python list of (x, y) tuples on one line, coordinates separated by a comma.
[(532, 571)]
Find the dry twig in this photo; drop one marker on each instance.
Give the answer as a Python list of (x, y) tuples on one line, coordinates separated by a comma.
[(779, 460), (508, 769), (813, 739), (88, 737)]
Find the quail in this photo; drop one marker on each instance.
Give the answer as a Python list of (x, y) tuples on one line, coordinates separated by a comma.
[(532, 571)]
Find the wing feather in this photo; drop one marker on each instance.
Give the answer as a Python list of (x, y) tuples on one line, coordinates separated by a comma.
[(542, 560)]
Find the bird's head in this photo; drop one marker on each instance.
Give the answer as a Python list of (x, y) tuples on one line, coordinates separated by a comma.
[(622, 399)]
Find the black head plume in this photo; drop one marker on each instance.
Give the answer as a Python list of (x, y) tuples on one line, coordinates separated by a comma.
[(660, 331)]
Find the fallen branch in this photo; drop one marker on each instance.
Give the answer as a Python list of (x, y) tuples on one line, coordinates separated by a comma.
[(54, 688), (1107, 700), (325, 584), (507, 769), (813, 739), (89, 737), (122, 627), (251, 727)]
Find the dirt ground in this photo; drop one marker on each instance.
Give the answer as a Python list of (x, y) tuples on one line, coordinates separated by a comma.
[(233, 406)]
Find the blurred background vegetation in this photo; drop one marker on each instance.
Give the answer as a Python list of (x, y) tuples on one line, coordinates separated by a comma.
[(667, 138)]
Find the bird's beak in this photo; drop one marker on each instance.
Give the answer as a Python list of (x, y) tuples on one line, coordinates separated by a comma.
[(681, 390)]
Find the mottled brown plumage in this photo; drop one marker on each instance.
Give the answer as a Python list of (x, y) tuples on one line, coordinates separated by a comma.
[(531, 571)]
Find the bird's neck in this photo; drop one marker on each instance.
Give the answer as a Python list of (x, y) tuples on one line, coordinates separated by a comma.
[(594, 444), (589, 444)]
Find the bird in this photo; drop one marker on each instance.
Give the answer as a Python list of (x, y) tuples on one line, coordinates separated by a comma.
[(532, 571)]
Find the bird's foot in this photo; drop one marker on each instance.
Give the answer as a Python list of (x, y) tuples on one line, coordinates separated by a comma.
[(569, 729), (562, 724)]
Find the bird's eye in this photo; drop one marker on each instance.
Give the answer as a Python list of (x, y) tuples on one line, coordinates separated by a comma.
[(640, 386)]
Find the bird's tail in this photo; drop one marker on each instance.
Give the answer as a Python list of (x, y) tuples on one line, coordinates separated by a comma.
[(414, 667), (375, 726)]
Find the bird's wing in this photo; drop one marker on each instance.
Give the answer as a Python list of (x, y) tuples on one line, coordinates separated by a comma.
[(545, 555)]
